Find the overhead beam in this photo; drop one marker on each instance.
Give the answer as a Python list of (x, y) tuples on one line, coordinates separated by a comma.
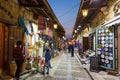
[(36, 1), (36, 11), (30, 4)]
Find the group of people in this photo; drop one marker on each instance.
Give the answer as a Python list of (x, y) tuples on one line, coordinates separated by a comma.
[(19, 56)]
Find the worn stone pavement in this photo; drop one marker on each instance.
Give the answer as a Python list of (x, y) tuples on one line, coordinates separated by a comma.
[(64, 67)]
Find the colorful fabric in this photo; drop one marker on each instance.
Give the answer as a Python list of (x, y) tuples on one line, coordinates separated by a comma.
[(22, 24)]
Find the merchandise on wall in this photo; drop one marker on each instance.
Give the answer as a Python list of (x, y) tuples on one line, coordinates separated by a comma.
[(105, 47)]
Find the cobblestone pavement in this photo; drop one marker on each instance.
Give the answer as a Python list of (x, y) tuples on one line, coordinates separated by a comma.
[(64, 67)]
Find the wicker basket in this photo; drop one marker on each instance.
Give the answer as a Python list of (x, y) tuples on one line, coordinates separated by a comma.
[(13, 68)]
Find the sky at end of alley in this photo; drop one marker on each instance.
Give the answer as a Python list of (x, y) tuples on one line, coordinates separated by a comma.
[(66, 11)]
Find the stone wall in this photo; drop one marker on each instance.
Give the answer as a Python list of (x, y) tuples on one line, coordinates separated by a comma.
[(10, 11), (101, 18)]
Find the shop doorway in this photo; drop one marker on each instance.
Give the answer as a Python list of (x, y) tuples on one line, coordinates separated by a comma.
[(85, 43)]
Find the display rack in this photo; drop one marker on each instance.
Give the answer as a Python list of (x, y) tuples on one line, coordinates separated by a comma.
[(105, 47)]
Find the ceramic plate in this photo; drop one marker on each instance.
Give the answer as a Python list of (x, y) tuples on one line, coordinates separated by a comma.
[(102, 60), (102, 56), (106, 30), (99, 52), (106, 45), (109, 65), (106, 49), (106, 57), (106, 61), (110, 58)]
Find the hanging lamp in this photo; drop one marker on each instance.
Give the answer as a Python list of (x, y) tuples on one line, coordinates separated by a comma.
[(84, 12)]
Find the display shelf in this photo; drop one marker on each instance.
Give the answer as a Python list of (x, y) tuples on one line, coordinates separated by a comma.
[(105, 47)]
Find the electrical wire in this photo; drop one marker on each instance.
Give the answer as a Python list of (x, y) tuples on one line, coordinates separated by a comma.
[(69, 10)]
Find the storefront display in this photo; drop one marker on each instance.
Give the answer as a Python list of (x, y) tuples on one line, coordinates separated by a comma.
[(105, 47), (85, 57)]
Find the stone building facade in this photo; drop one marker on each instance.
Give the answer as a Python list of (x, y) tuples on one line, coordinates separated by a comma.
[(104, 16), (10, 11)]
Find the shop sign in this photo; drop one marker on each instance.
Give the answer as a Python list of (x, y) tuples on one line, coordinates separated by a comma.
[(117, 8), (94, 64)]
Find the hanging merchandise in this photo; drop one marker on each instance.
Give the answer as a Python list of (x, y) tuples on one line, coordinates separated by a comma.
[(105, 47), (35, 28), (22, 24), (41, 23)]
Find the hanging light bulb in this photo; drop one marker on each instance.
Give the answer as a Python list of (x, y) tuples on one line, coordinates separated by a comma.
[(75, 31), (84, 12), (55, 26)]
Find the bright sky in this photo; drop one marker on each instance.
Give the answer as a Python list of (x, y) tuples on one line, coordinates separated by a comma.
[(66, 12)]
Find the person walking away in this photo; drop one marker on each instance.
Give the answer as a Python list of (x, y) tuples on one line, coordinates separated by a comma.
[(72, 50), (69, 48), (19, 56)]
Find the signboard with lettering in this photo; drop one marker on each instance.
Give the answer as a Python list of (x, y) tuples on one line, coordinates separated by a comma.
[(117, 9), (94, 64)]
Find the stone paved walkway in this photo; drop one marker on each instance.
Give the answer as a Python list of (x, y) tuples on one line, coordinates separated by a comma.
[(65, 67)]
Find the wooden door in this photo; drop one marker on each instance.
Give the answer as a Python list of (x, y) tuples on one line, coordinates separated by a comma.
[(1, 45), (5, 43), (85, 44), (15, 34)]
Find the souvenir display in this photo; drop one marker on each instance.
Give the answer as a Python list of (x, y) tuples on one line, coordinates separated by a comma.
[(87, 55), (105, 47)]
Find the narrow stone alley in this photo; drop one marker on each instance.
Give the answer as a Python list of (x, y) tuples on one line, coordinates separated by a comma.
[(64, 67)]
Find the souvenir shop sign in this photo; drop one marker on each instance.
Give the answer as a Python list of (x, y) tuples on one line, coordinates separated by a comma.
[(94, 64), (117, 8), (41, 23), (105, 47)]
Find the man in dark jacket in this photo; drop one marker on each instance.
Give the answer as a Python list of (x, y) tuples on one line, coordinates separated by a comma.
[(19, 55)]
